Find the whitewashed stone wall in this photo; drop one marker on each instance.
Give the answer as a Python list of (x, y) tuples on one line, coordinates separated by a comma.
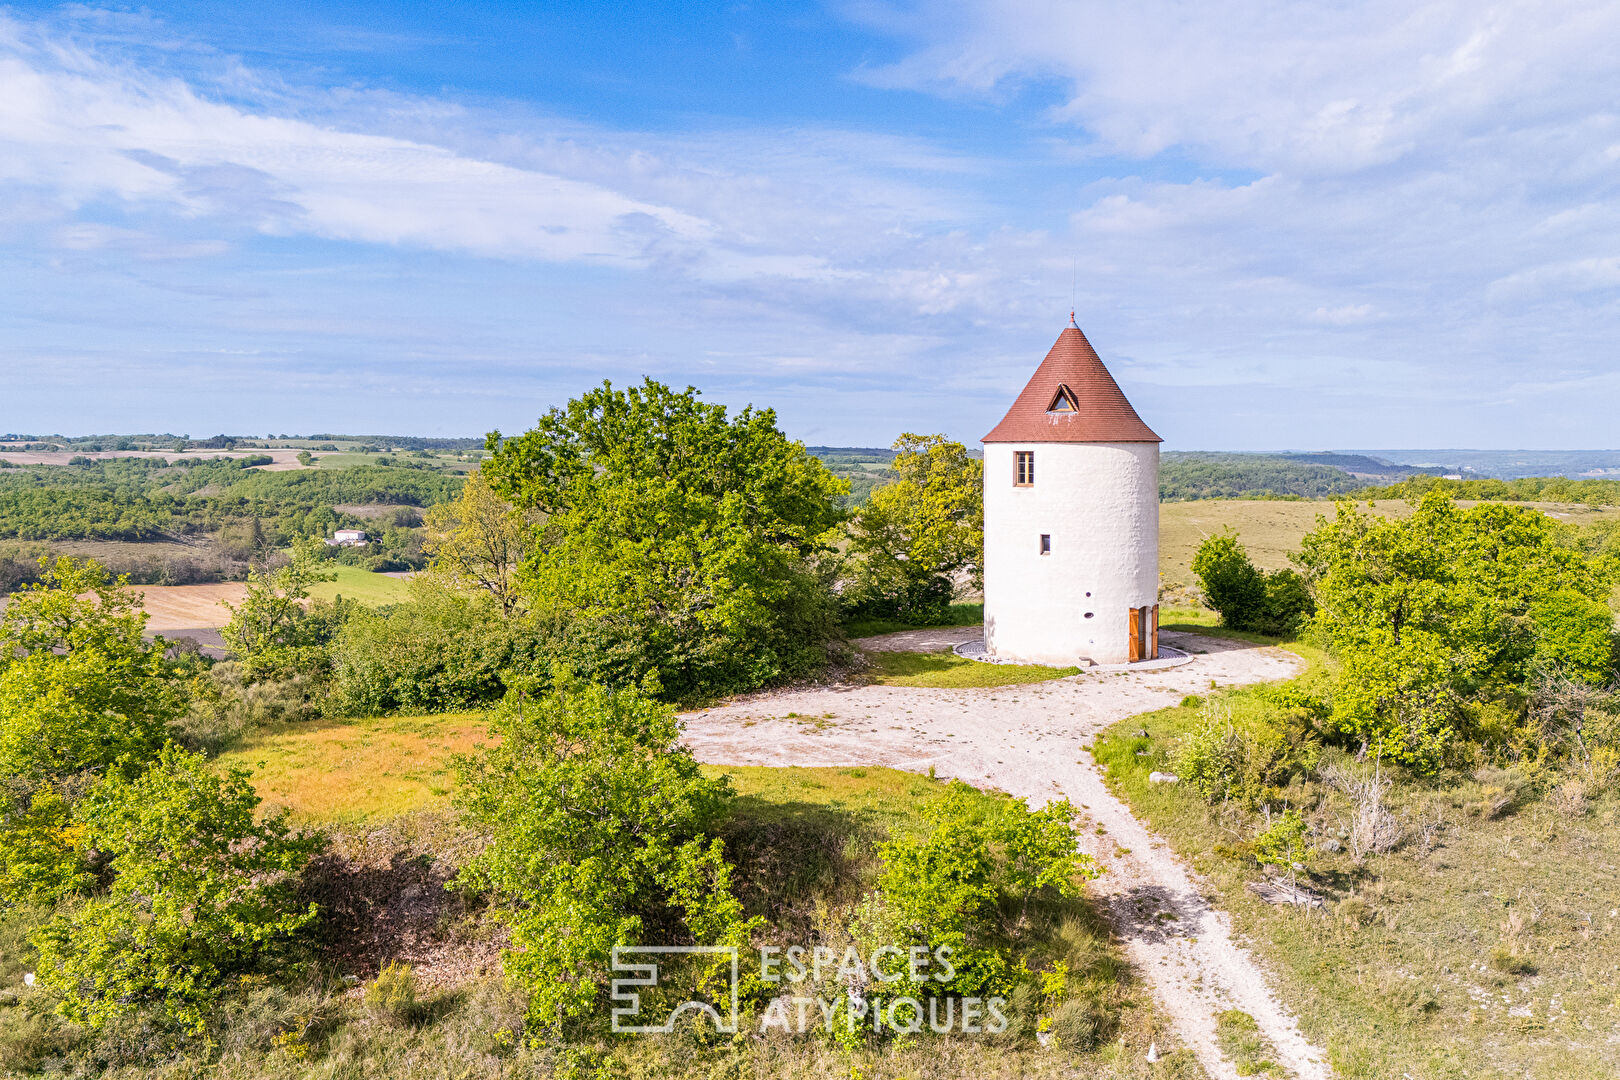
[(1099, 502)]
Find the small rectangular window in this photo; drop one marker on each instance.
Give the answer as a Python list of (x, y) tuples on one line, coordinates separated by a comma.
[(1046, 543), (1023, 468)]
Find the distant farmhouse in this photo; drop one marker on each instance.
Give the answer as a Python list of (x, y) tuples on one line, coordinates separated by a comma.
[(348, 538)]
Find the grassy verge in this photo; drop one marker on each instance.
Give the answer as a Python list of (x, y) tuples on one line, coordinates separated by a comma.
[(360, 585), (959, 615), (1486, 945), (947, 671)]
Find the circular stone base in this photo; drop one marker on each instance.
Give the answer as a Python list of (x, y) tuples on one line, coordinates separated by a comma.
[(1168, 658)]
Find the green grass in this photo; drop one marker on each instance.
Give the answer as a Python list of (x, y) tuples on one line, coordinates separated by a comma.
[(361, 585), (370, 769), (947, 671), (959, 615), (350, 771), (1243, 1045), (887, 801), (1404, 970)]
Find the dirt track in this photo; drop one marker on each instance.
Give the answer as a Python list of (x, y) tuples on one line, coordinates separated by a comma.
[(1032, 741)]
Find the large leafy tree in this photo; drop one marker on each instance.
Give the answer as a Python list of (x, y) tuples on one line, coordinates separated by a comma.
[(598, 825), (1434, 612), (918, 531), (690, 534), (80, 686)]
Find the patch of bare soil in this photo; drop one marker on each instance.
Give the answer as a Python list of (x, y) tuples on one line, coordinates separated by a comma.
[(382, 893), (282, 459), (936, 639), (179, 607), (1033, 741)]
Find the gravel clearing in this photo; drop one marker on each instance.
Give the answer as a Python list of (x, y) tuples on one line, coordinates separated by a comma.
[(1033, 741)]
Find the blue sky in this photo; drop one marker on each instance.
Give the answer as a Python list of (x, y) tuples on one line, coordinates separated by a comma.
[(1282, 224)]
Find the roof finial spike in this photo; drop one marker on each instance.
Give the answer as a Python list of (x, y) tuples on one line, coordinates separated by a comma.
[(1071, 319)]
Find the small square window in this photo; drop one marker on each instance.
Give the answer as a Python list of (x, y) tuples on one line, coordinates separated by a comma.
[(1023, 468), (1046, 543)]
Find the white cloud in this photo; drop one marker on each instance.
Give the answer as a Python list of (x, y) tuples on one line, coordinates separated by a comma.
[(88, 130), (1366, 207)]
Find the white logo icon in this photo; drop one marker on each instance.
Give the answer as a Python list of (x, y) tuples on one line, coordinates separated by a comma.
[(646, 974)]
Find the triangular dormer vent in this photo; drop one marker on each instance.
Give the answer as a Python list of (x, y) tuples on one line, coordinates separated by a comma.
[(1063, 401)]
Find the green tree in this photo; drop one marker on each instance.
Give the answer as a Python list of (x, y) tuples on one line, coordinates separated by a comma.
[(694, 534), (201, 892), (79, 685), (478, 541), (80, 690), (1443, 608), (918, 531), (1575, 635), (272, 631), (1246, 597), (598, 823)]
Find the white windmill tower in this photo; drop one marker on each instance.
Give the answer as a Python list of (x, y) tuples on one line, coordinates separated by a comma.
[(1071, 519)]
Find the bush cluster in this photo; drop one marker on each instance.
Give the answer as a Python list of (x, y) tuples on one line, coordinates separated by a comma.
[(1246, 597), (166, 885)]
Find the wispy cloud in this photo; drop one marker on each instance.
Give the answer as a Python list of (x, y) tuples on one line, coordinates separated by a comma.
[(1348, 214)]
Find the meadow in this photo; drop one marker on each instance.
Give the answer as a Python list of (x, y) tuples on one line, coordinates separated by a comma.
[(1271, 529), (1485, 945)]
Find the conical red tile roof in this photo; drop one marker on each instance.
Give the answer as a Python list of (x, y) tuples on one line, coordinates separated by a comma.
[(1100, 412)]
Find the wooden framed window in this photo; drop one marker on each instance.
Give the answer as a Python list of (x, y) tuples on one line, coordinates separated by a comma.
[(1023, 468), (1046, 543)]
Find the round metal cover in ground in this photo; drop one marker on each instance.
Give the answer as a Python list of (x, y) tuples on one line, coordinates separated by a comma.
[(1168, 657)]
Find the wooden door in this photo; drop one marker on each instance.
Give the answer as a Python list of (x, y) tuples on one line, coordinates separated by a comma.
[(1136, 635), (1153, 642)]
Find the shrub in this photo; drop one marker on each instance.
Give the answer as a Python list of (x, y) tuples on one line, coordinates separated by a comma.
[(598, 824), (224, 704), (1221, 760), (1231, 584), (919, 601), (391, 996), (1282, 843), (442, 650), (1246, 597), (968, 885), (1439, 614), (200, 893), (1373, 828)]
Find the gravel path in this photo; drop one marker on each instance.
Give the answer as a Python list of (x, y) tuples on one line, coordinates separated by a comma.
[(1032, 741)]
